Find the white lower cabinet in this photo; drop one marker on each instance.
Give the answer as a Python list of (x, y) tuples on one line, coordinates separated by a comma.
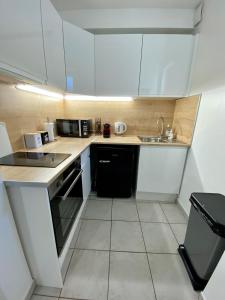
[(160, 172), (86, 175)]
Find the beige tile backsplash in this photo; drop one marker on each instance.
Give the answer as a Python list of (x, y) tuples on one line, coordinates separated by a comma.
[(26, 112), (140, 115), (184, 118)]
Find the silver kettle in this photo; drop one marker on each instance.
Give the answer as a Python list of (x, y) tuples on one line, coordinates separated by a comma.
[(120, 127)]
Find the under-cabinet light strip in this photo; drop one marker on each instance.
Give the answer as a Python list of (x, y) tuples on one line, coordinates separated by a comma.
[(36, 90), (95, 98), (40, 91)]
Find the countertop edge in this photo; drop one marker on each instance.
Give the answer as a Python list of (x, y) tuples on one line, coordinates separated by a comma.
[(95, 140)]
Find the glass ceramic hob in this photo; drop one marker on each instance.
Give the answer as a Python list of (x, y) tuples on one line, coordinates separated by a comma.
[(34, 159)]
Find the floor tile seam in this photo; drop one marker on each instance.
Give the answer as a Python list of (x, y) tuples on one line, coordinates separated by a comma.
[(110, 244), (43, 295), (71, 256), (67, 272), (127, 251), (170, 226), (95, 219), (167, 217), (60, 298), (150, 271)]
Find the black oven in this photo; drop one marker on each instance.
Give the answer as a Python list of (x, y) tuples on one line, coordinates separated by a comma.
[(74, 128), (66, 198)]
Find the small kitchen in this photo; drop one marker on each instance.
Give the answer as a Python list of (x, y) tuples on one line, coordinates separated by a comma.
[(103, 152)]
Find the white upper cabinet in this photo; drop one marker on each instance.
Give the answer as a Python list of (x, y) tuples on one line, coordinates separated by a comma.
[(21, 41), (166, 64), (117, 63), (53, 45), (79, 56)]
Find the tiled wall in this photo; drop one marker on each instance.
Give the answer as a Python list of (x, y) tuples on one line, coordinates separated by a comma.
[(140, 115), (25, 112), (184, 118)]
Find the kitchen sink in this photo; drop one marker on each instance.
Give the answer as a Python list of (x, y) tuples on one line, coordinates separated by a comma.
[(152, 139)]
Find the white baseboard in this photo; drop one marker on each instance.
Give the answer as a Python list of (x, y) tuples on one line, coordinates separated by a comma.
[(202, 296), (161, 197), (184, 212), (30, 291)]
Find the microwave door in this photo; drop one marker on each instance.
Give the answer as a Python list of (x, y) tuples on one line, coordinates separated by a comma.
[(75, 128), (66, 127)]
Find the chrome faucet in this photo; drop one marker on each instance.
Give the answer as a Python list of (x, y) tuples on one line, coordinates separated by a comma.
[(161, 130)]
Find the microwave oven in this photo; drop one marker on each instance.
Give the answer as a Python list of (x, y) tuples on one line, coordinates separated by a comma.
[(74, 128)]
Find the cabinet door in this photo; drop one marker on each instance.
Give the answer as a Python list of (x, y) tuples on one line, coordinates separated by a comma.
[(21, 39), (117, 63), (53, 45), (160, 169), (166, 64), (79, 55), (86, 175)]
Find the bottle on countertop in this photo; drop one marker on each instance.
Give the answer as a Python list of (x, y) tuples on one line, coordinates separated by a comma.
[(106, 130), (98, 126), (169, 133)]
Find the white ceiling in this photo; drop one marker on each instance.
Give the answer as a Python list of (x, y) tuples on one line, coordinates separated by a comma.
[(62, 5)]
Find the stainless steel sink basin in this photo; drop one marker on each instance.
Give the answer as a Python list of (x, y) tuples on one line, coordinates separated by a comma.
[(152, 139)]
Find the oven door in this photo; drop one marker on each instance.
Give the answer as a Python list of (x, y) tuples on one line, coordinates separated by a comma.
[(65, 207), (68, 128)]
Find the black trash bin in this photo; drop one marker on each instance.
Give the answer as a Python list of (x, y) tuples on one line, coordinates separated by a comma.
[(205, 237)]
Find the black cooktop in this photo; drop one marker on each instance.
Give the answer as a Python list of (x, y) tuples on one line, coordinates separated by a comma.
[(34, 159)]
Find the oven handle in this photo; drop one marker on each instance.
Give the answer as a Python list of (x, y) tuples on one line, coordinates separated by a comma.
[(71, 186)]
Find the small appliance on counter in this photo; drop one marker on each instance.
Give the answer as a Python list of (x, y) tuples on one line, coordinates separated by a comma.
[(44, 137), (74, 128), (33, 140), (120, 128), (106, 130)]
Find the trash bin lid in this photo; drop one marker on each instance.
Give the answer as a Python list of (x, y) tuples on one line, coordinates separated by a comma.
[(212, 208)]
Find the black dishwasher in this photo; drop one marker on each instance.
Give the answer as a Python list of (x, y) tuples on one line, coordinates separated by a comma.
[(114, 170)]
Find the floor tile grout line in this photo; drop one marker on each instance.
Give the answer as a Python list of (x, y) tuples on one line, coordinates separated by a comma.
[(137, 221), (42, 295), (66, 272), (146, 253), (126, 251), (110, 241), (72, 253), (123, 220), (170, 226)]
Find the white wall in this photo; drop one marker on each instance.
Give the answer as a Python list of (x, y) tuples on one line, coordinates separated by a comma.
[(205, 169), (209, 70), (130, 18), (15, 278)]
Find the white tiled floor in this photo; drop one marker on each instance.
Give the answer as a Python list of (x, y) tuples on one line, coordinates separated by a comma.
[(125, 251)]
